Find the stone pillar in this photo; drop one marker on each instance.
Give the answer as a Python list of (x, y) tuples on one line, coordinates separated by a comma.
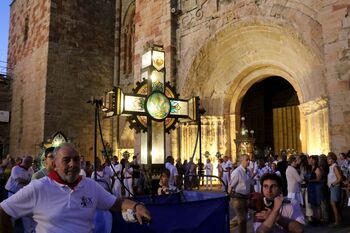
[(232, 133), (316, 130)]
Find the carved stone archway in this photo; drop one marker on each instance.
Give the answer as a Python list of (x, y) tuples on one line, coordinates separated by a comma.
[(245, 53)]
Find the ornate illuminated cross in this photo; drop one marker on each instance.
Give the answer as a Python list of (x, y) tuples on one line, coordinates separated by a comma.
[(153, 107)]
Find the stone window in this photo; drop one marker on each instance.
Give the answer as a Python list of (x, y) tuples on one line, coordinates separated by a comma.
[(128, 33)]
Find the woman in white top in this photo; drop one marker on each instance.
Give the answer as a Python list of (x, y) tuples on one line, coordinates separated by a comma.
[(294, 180), (209, 171), (127, 171), (333, 181)]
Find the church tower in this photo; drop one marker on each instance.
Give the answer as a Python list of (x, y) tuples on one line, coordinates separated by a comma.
[(62, 53)]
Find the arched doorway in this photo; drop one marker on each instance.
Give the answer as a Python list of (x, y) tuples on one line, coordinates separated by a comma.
[(270, 108)]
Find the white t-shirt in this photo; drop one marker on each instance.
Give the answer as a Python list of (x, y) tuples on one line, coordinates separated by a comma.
[(208, 169), (104, 177), (293, 180), (18, 172), (117, 168), (291, 211), (56, 208), (173, 173)]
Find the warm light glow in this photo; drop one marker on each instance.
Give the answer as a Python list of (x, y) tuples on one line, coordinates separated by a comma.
[(158, 59), (134, 103), (157, 76), (146, 59), (158, 142), (143, 148)]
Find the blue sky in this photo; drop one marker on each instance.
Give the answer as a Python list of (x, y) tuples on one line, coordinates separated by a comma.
[(4, 28)]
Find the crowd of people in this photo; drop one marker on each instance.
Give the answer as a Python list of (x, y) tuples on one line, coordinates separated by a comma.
[(58, 198), (319, 184), (302, 189)]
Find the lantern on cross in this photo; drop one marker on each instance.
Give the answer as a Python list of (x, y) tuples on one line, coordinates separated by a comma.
[(153, 108)]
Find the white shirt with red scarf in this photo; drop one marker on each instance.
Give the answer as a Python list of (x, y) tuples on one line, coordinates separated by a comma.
[(56, 207)]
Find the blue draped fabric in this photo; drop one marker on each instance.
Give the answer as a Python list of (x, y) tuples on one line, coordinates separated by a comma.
[(188, 211)]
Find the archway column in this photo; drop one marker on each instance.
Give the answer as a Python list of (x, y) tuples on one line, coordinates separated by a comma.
[(233, 128), (315, 133)]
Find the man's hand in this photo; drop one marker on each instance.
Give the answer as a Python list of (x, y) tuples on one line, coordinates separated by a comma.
[(142, 214), (262, 215), (278, 201)]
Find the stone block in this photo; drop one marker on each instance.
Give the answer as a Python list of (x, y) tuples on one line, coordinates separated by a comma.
[(346, 22)]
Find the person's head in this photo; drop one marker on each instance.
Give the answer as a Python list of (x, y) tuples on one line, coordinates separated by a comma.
[(48, 160), (208, 160), (225, 158), (261, 163), (273, 167), (123, 162), (170, 159), (293, 161), (342, 156), (271, 185), (164, 177), (331, 158), (19, 160), (244, 160), (67, 162), (27, 161), (98, 163), (313, 160), (115, 160)]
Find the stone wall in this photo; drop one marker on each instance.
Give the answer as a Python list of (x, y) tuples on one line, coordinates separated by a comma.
[(28, 43), (227, 46), (335, 18), (80, 65), (152, 27), (5, 105)]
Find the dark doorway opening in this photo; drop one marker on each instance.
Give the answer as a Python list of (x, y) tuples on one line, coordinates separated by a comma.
[(268, 109)]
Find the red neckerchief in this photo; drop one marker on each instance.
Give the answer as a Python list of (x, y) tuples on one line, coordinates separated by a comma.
[(19, 165), (54, 176)]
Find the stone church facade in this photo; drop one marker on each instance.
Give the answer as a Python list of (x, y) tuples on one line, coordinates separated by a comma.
[(63, 52)]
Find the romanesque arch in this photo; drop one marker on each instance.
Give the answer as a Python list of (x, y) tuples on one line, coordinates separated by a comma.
[(248, 51)]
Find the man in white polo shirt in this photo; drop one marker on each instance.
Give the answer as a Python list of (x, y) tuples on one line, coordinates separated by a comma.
[(240, 187), (64, 201), (173, 178), (20, 176)]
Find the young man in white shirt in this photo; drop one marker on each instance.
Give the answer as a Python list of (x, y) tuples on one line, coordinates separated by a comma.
[(173, 178), (240, 186), (227, 169), (20, 176), (279, 215), (64, 201)]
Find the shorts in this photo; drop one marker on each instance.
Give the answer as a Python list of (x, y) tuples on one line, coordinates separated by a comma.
[(335, 193)]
